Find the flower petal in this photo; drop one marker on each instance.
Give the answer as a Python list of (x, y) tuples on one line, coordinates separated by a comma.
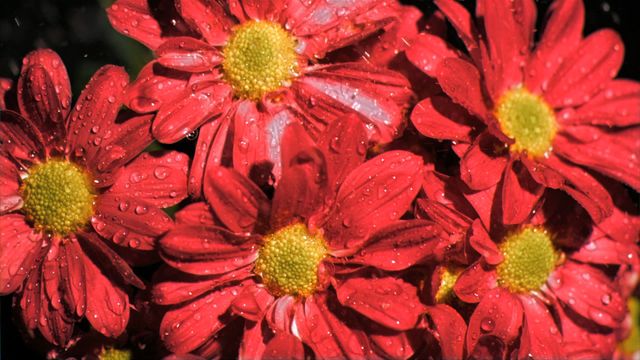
[(462, 22), (499, 315), (157, 178), (461, 81), (207, 250), (561, 35), (134, 18), (187, 54), (388, 301), (107, 303), (450, 328), (237, 201), (520, 194), (20, 248), (95, 112), (475, 282), (252, 303), (188, 112), (154, 87), (428, 51), (198, 213), (589, 292), (401, 245), (20, 139), (208, 17), (378, 96), (189, 326), (482, 243), (618, 104), (10, 198), (374, 194), (595, 62), (539, 338), (73, 280), (439, 118), (481, 167)]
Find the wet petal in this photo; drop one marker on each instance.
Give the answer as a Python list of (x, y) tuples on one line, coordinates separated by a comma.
[(461, 81), (450, 328), (439, 118), (19, 251), (188, 54), (539, 338), (134, 18), (520, 194), (155, 86), (481, 167), (617, 104)]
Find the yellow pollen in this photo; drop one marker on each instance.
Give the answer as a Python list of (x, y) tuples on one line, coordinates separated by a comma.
[(288, 261), (528, 120), (529, 259), (259, 57), (58, 197), (448, 278), (115, 354)]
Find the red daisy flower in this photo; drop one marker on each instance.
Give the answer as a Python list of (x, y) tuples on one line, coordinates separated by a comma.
[(537, 280), (250, 68), (307, 267), (525, 119), (71, 178)]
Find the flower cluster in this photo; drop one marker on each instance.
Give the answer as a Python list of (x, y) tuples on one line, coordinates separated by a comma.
[(360, 187)]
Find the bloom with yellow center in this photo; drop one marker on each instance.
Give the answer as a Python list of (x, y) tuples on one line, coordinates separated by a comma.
[(528, 120), (58, 197), (529, 259), (259, 57), (288, 262)]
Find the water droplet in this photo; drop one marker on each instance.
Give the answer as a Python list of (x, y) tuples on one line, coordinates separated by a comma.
[(487, 324)]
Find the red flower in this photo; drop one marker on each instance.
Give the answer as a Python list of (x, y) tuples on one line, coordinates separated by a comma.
[(526, 118), (249, 69), (302, 264), (71, 178), (536, 281)]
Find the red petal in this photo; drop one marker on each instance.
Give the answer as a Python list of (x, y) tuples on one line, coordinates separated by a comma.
[(595, 62), (134, 18), (330, 330), (95, 112), (388, 344), (236, 200), (561, 35), (157, 178), (326, 26), (173, 287), (374, 194), (481, 167), (73, 280), (450, 328), (344, 147), (520, 194), (612, 153), (188, 54), (260, 10), (19, 251), (208, 17), (498, 315), (475, 282), (428, 51), (44, 92), (10, 199), (379, 97), (584, 188), (187, 327), (30, 299), (606, 252), (301, 191), (462, 22), (187, 113), (589, 292), (53, 323), (618, 104), (461, 81), (482, 243), (20, 139), (284, 346), (207, 251), (155, 86), (211, 143), (129, 221), (540, 336), (107, 304), (388, 301), (438, 117), (5, 90), (401, 245), (252, 303), (196, 214)]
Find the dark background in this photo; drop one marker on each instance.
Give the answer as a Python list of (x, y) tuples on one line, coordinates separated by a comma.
[(79, 32)]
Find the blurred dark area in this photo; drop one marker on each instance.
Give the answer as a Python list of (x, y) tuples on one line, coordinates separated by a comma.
[(79, 32)]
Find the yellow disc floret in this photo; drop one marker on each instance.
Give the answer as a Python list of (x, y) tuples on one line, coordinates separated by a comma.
[(115, 354), (259, 57), (528, 120), (529, 259), (58, 197), (288, 261), (448, 278)]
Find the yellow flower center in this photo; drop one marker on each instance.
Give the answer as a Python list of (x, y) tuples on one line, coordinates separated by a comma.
[(289, 259), (528, 120), (448, 278), (115, 354), (58, 197), (529, 259), (259, 57), (631, 345)]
